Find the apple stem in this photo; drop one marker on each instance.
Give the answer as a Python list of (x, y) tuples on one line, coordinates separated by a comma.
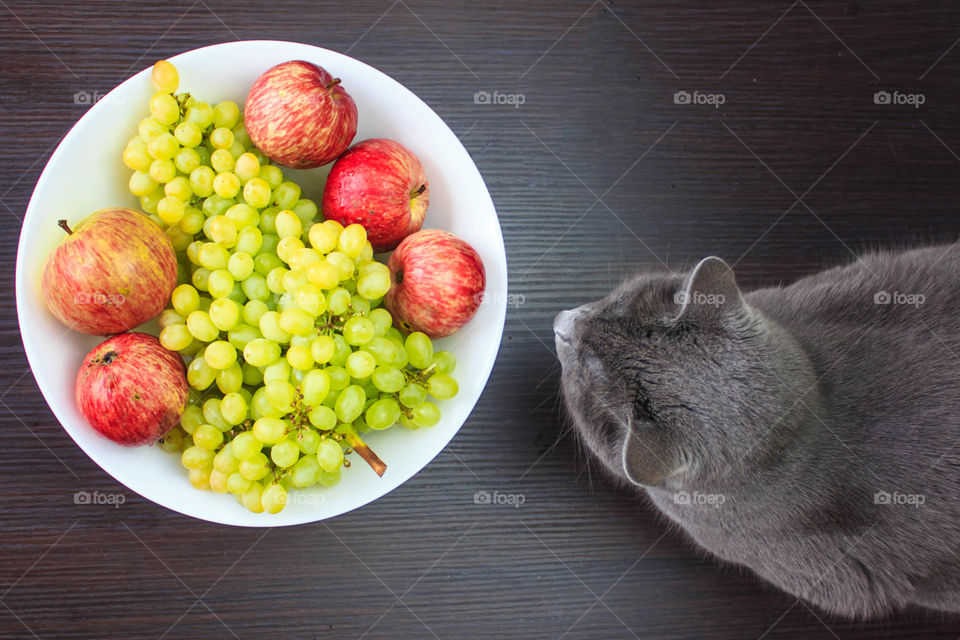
[(63, 225), (334, 83), (422, 188), (365, 452)]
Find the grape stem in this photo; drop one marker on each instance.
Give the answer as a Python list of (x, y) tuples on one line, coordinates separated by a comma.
[(365, 452)]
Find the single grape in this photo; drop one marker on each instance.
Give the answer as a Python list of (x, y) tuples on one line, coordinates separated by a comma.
[(245, 446), (162, 171), (412, 395), (360, 364), (329, 455), (256, 192), (164, 108), (175, 337), (226, 114), (349, 403), (281, 394), (207, 437), (272, 174), (220, 283), (351, 240), (221, 138), (322, 349), (388, 379), (296, 321), (307, 470), (286, 194), (342, 262), (284, 454), (442, 386), (274, 498), (269, 430), (201, 181), (179, 188), (323, 418), (252, 497), (164, 76), (315, 387), (186, 160), (201, 327), (261, 352), (197, 458), (358, 331), (255, 468), (383, 413), (444, 362)]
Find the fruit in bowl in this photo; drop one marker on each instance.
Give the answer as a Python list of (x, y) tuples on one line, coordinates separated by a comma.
[(113, 271), (381, 185), (86, 173)]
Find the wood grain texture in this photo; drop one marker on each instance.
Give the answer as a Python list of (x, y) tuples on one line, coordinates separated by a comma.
[(596, 174)]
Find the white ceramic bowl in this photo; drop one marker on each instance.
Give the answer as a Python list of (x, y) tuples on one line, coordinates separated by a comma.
[(86, 173)]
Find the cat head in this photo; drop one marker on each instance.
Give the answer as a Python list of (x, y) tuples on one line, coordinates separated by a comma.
[(674, 376)]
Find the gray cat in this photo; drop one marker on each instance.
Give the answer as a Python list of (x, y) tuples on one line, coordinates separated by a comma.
[(810, 433)]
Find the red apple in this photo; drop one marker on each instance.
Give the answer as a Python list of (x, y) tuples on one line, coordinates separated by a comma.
[(115, 270), (379, 184), (437, 283), (299, 115), (132, 390)]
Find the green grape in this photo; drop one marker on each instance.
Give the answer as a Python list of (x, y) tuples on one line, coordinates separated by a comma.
[(425, 414), (188, 134), (243, 216), (286, 195), (255, 288), (252, 376), (349, 403), (274, 498), (329, 479), (162, 170), (172, 441), (186, 160), (299, 357), (343, 263), (360, 364), (358, 331), (338, 301), (268, 430), (242, 334), (306, 471), (195, 457), (412, 394), (252, 498), (141, 183), (272, 174), (192, 221), (315, 387), (257, 192), (394, 334), (233, 408), (382, 320), (212, 256), (286, 247), (442, 386), (245, 446), (296, 322), (201, 114), (221, 138), (222, 160), (168, 317), (270, 328), (419, 350), (237, 484), (351, 240), (207, 437), (279, 370), (200, 375), (220, 284), (323, 418), (212, 415), (200, 278), (373, 285), (305, 208), (224, 313), (303, 258), (323, 274), (323, 237), (164, 108), (255, 468), (360, 306), (280, 393), (226, 184), (284, 454), (252, 311), (444, 362), (294, 279), (175, 337), (383, 350), (149, 202), (383, 413), (179, 188), (249, 240), (247, 167), (164, 76), (240, 265), (341, 352), (230, 379), (307, 440), (288, 224), (200, 478), (191, 419), (201, 327), (388, 379), (226, 114), (149, 128), (322, 349), (135, 156), (218, 481), (275, 279), (201, 181), (163, 147), (329, 455), (224, 461), (261, 351)]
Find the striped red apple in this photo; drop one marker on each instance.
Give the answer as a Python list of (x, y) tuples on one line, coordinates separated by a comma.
[(437, 283), (299, 115), (113, 271)]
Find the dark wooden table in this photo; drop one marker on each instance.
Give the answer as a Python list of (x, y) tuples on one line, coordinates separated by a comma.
[(603, 169)]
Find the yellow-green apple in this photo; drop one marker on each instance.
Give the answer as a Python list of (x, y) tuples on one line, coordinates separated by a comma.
[(113, 271), (132, 390), (379, 184), (437, 283), (299, 115)]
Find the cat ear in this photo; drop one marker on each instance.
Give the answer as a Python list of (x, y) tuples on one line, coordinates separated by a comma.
[(710, 295), (644, 460)]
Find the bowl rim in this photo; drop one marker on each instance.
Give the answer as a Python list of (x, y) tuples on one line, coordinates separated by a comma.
[(46, 176)]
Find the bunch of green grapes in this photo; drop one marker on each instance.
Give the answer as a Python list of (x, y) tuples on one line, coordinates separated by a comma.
[(289, 355)]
